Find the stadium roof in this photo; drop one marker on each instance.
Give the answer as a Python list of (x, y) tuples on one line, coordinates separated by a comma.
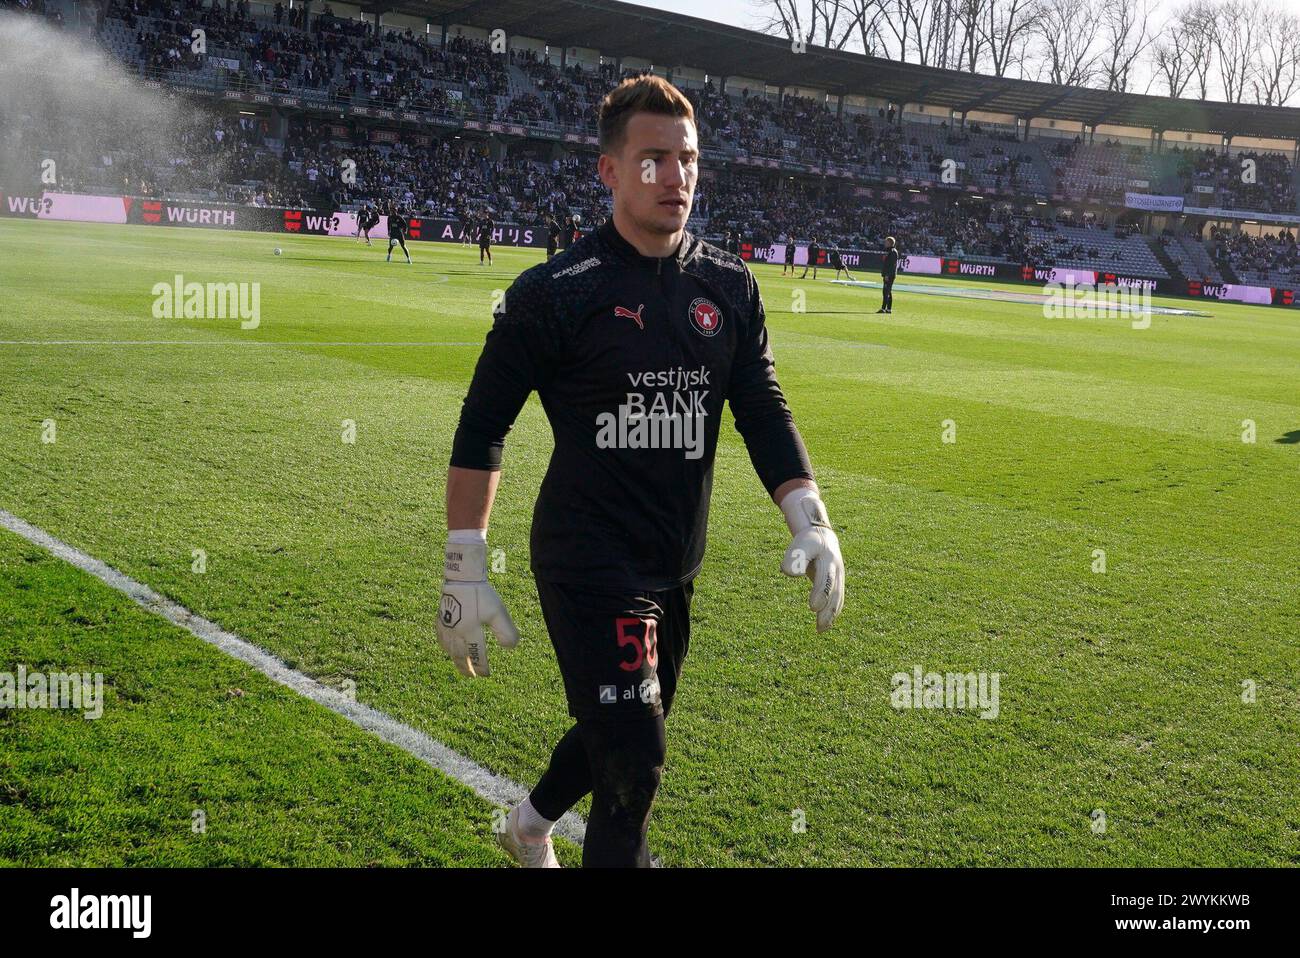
[(623, 29)]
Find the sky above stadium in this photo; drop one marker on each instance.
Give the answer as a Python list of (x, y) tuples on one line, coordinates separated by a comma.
[(751, 14), (738, 13)]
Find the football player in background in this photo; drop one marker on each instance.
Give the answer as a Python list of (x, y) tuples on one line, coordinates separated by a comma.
[(485, 228), (397, 227), (814, 253), (552, 236), (367, 220), (837, 263)]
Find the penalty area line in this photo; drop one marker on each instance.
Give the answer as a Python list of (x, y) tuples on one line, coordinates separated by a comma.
[(494, 788)]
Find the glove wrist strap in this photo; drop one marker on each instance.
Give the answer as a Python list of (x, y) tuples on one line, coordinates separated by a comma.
[(803, 509), (465, 561)]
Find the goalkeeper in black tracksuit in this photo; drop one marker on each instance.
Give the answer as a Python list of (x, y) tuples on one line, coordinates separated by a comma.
[(634, 339)]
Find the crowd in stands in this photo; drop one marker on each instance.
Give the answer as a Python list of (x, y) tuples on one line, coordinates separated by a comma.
[(573, 94), (767, 208), (306, 49), (441, 178), (1268, 259), (178, 153), (1100, 172), (235, 158), (315, 54), (312, 52), (1079, 237), (36, 7), (986, 150), (1244, 180), (296, 51)]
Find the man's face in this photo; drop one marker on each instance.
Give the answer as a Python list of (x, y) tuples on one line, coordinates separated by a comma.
[(653, 175)]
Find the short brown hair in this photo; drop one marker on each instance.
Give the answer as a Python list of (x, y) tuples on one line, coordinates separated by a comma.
[(642, 94)]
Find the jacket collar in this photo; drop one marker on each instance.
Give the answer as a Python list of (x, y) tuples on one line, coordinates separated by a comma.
[(614, 240)]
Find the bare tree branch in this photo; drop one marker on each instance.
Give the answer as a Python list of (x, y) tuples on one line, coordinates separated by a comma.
[(1065, 33), (1171, 57), (1277, 58), (1006, 26), (868, 17), (1126, 36), (1236, 24)]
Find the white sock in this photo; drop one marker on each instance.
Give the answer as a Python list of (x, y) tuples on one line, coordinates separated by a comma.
[(530, 824)]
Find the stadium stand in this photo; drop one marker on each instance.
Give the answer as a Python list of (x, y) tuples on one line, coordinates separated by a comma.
[(1217, 177), (1270, 259), (775, 165), (1191, 257), (1102, 172), (1089, 244)]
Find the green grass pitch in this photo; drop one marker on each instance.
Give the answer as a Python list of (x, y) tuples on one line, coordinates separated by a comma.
[(1120, 691)]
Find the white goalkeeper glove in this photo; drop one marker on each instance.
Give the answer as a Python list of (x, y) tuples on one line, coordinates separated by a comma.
[(814, 552), (469, 604)]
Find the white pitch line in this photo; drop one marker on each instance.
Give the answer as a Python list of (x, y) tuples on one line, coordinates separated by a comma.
[(488, 785), (208, 342), (300, 345)]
